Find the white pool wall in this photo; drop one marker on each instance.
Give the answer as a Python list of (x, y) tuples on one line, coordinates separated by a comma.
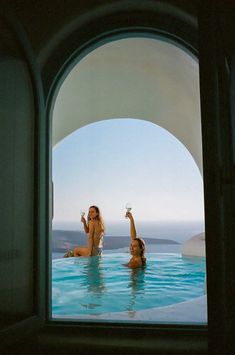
[(189, 312)]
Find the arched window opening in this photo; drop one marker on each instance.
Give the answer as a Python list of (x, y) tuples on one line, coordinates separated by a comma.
[(126, 127)]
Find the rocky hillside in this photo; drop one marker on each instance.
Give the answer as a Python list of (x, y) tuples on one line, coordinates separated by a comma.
[(64, 240)]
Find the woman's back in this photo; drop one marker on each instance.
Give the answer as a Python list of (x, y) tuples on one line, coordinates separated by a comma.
[(97, 236), (94, 227)]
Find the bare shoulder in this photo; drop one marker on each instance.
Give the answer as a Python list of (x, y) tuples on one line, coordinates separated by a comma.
[(135, 262)]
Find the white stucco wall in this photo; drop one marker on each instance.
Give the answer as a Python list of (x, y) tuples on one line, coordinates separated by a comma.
[(195, 246), (133, 78)]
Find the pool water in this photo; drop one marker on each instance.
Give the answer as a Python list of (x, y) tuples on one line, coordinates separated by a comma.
[(96, 285)]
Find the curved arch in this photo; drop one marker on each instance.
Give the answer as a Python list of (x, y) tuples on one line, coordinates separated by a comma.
[(140, 78), (81, 31)]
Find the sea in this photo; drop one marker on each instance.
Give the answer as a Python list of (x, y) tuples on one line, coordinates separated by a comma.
[(177, 231)]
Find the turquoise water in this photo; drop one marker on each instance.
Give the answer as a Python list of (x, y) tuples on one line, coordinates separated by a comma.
[(95, 285)]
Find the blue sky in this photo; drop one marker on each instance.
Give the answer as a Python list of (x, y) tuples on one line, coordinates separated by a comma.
[(112, 162)]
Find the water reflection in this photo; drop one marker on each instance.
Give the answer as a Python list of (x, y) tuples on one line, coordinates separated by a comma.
[(137, 288), (93, 278), (92, 286)]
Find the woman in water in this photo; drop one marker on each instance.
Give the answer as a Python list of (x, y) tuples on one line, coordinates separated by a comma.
[(137, 246), (94, 227)]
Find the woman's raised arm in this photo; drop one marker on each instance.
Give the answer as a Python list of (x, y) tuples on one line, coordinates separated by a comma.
[(133, 233)]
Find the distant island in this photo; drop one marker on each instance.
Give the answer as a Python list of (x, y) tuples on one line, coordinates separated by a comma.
[(63, 240)]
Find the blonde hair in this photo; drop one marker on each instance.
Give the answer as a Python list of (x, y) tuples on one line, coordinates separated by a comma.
[(99, 217)]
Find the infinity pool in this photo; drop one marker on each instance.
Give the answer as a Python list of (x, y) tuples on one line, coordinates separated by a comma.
[(96, 285)]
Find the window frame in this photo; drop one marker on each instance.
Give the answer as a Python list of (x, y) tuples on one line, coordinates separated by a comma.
[(119, 26), (73, 60)]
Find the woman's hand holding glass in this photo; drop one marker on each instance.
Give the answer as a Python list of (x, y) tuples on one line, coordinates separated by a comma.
[(128, 209), (83, 220), (128, 215)]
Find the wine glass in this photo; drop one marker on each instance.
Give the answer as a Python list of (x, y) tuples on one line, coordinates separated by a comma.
[(82, 213), (128, 208)]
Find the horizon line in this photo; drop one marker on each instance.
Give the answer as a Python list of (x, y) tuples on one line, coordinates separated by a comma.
[(138, 221)]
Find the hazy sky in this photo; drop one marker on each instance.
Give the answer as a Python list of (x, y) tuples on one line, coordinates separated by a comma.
[(112, 162)]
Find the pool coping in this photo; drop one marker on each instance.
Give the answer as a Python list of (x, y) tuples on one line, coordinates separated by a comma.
[(190, 312)]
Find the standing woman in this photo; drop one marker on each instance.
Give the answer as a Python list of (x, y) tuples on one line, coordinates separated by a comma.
[(137, 246), (94, 227)]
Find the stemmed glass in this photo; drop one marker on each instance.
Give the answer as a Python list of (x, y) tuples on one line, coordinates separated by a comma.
[(128, 208), (82, 213)]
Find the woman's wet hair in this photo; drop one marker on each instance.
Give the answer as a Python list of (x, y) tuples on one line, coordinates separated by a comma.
[(142, 249)]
